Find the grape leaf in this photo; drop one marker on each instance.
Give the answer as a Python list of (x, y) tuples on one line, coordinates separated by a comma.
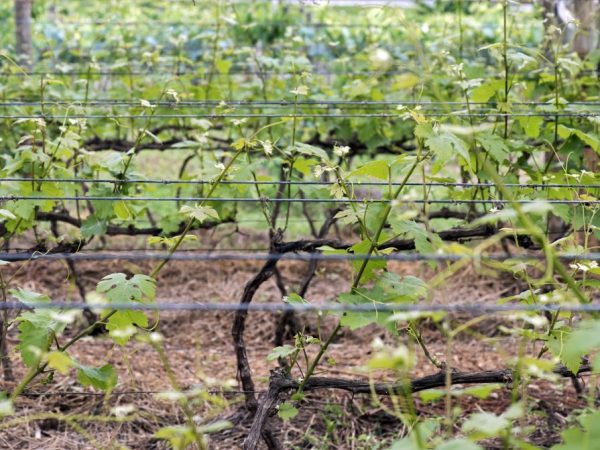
[(287, 411), (118, 288), (103, 378)]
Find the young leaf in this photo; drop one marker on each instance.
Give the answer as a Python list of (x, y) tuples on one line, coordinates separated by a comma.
[(377, 169), (281, 352), (581, 341), (459, 444), (585, 438), (287, 411), (121, 325), (180, 437), (103, 378), (485, 424), (200, 213), (6, 215), (486, 90), (60, 361), (6, 406), (37, 328)]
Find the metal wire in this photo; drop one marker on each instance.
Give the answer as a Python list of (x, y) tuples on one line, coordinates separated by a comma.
[(205, 26), (223, 391), (300, 183), (398, 115), (283, 103), (151, 255), (471, 308), (176, 71), (296, 200)]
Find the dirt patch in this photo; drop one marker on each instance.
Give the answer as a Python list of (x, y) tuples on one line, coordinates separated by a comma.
[(200, 353)]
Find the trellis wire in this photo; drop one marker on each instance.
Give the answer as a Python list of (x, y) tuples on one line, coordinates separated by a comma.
[(223, 391), (399, 115), (182, 256), (284, 103), (471, 308), (297, 200), (176, 72), (300, 183)]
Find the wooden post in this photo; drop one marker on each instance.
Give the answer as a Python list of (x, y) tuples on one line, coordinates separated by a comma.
[(24, 45)]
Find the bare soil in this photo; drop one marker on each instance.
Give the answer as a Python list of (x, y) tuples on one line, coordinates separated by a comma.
[(200, 352)]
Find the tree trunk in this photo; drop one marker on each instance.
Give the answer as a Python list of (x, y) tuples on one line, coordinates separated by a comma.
[(586, 37), (24, 45)]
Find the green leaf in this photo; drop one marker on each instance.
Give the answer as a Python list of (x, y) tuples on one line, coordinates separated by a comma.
[(118, 288), (420, 434), (588, 138), (294, 299), (377, 169), (103, 378), (37, 328), (281, 352), (531, 125), (121, 325), (459, 444), (399, 288), (431, 395), (92, 226), (122, 211), (579, 342), (300, 90), (538, 208), (495, 146), (391, 359), (486, 90), (223, 65), (485, 424), (310, 150), (6, 214), (445, 145), (287, 411), (34, 341), (214, 427), (481, 392), (362, 248), (30, 298), (425, 242), (200, 213), (180, 437), (586, 437), (60, 361), (355, 320), (6, 406), (406, 81)]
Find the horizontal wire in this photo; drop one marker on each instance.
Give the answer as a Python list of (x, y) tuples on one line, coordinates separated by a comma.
[(299, 183), (207, 26), (285, 103), (200, 249), (281, 109), (244, 72), (398, 115), (183, 256), (472, 308), (296, 200), (223, 391)]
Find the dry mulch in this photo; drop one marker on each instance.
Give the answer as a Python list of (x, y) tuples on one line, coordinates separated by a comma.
[(200, 352)]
